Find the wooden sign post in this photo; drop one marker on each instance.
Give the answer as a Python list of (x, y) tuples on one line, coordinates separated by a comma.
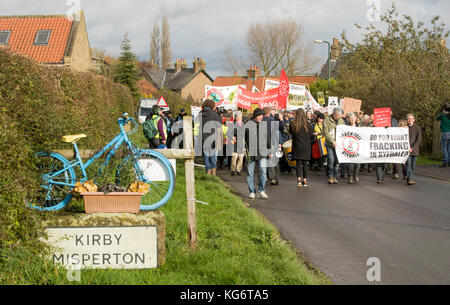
[(187, 153)]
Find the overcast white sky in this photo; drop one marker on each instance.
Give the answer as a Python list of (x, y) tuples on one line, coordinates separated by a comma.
[(203, 28)]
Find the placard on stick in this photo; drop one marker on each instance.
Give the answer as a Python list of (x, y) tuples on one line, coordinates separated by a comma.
[(351, 105), (382, 117)]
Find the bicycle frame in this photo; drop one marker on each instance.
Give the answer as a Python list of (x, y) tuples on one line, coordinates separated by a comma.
[(115, 143)]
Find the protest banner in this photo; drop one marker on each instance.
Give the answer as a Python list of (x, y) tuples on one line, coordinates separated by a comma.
[(268, 98), (382, 117), (298, 94), (372, 144), (223, 96), (244, 98), (333, 102), (351, 105)]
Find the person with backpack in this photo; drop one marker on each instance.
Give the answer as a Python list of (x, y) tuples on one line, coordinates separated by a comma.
[(155, 129)]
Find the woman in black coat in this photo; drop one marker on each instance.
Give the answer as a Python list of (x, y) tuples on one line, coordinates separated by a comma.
[(302, 138)]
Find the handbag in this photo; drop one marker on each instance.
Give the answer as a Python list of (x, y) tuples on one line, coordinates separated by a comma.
[(322, 147)]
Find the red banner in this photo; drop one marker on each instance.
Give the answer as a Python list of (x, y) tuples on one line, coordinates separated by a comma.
[(283, 91), (268, 98), (244, 98), (382, 117)]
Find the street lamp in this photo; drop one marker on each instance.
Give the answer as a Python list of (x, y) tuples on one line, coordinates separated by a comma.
[(329, 55)]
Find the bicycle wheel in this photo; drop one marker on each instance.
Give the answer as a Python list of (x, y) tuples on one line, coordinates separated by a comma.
[(56, 183), (156, 170)]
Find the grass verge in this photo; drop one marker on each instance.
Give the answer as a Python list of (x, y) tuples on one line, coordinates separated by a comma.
[(237, 246)]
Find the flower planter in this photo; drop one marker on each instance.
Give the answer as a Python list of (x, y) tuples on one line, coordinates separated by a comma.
[(114, 202)]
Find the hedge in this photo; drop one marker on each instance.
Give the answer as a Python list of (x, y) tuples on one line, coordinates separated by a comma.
[(38, 105)]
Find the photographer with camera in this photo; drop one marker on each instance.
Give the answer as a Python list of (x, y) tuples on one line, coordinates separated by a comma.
[(444, 117)]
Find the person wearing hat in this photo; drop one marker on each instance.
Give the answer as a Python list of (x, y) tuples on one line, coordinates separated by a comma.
[(159, 139), (258, 153)]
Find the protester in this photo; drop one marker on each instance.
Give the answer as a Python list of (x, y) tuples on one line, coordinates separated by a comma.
[(211, 134), (415, 138), (236, 133), (302, 137), (258, 154), (402, 123), (155, 129), (309, 116), (444, 117), (329, 126), (269, 118), (353, 168), (169, 122), (317, 152)]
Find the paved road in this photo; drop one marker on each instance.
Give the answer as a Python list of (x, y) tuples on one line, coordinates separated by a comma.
[(338, 227)]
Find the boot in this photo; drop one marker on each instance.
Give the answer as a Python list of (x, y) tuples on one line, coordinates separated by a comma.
[(214, 171), (445, 164), (350, 180), (208, 172), (330, 179), (356, 178)]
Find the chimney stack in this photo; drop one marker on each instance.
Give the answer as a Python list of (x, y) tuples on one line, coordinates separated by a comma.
[(198, 64), (180, 64), (254, 71)]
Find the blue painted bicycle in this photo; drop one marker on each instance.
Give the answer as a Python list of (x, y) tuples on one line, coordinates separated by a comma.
[(58, 174)]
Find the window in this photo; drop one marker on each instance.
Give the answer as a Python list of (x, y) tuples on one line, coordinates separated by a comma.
[(4, 37), (42, 37)]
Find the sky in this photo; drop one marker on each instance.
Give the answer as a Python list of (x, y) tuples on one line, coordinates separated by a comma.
[(204, 28)]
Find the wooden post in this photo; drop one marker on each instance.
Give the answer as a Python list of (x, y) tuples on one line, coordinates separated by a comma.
[(190, 182)]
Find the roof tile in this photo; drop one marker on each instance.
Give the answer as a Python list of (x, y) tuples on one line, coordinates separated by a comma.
[(23, 32)]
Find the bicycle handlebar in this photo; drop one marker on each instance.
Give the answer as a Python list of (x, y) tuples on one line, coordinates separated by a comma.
[(125, 120)]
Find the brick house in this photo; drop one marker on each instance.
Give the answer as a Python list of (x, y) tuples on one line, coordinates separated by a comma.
[(254, 77), (188, 82), (48, 39)]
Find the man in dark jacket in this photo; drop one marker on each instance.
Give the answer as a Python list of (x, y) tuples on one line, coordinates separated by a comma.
[(415, 137), (210, 128), (258, 153)]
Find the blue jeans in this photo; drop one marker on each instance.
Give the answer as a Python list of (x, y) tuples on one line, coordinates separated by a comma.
[(445, 144), (332, 163), (411, 166), (262, 166), (210, 159), (381, 170)]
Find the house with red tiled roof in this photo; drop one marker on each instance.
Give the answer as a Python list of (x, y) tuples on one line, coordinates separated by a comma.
[(254, 78), (48, 39)]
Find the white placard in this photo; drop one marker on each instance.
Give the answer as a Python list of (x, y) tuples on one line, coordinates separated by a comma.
[(104, 247), (298, 95), (154, 170), (372, 144)]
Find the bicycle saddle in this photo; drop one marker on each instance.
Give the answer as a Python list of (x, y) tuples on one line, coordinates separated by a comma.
[(73, 138)]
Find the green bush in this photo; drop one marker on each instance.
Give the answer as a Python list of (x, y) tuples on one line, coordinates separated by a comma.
[(38, 105)]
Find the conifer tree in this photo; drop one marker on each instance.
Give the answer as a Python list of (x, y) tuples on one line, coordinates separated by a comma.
[(126, 73)]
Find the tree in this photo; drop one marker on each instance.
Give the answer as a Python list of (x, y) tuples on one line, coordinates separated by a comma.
[(405, 67), (155, 44), (166, 50), (276, 45), (126, 71)]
